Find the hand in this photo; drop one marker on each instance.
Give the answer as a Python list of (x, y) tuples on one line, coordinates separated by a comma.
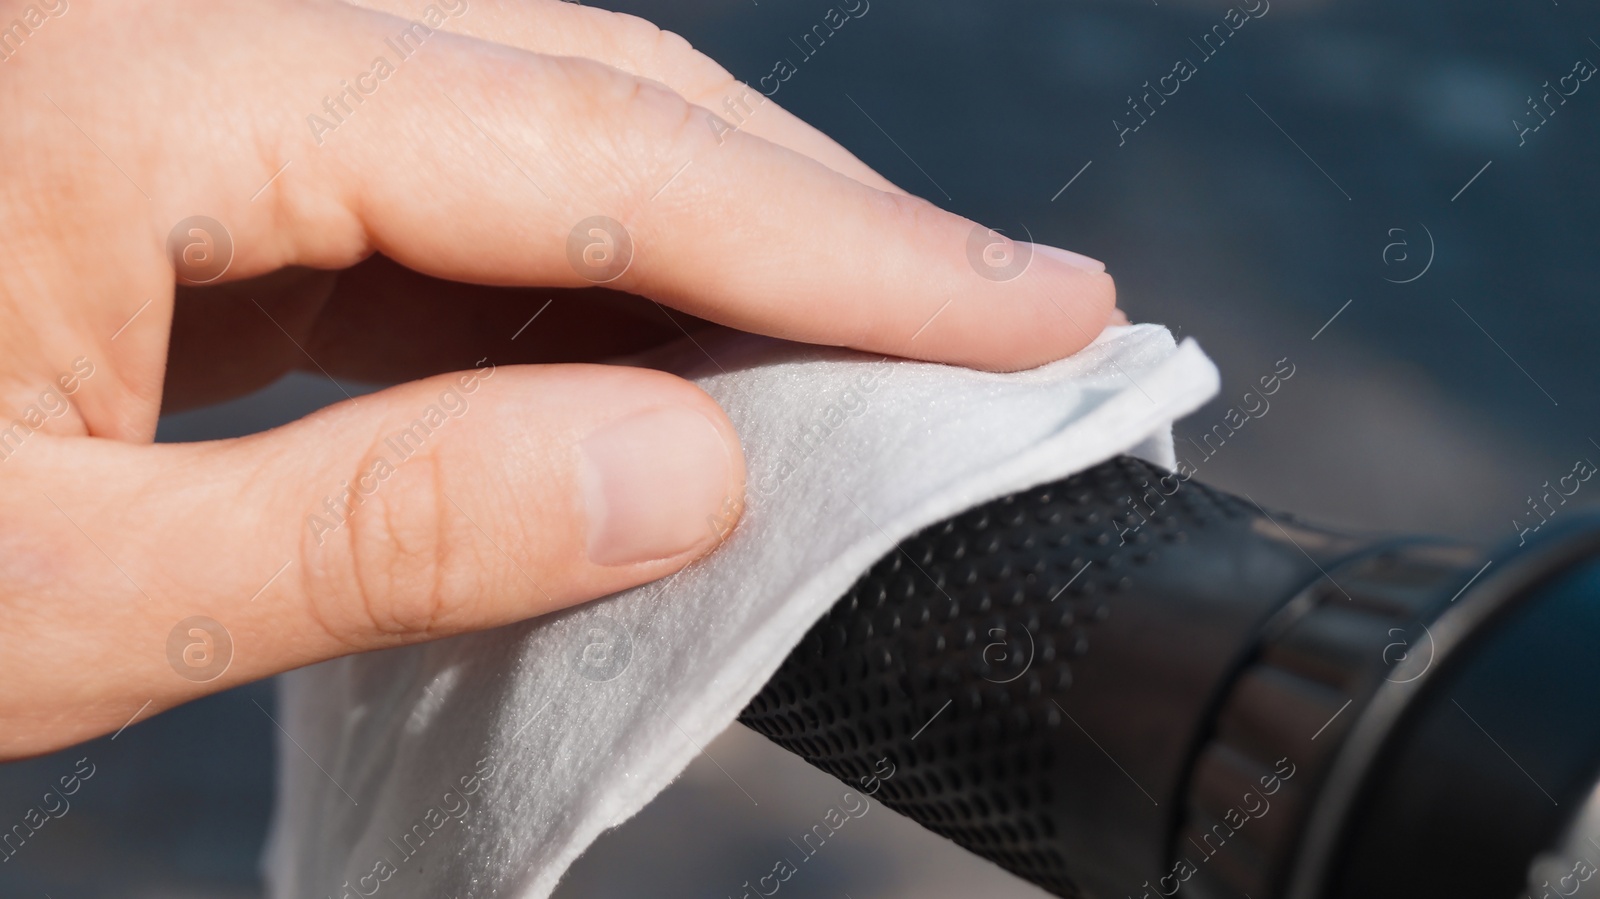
[(312, 136)]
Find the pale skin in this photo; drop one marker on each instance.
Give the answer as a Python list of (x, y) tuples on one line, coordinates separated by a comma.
[(466, 169)]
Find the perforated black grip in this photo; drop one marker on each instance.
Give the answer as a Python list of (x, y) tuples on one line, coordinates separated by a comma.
[(1047, 672)]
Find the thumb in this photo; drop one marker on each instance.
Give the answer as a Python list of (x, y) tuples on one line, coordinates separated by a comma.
[(440, 506)]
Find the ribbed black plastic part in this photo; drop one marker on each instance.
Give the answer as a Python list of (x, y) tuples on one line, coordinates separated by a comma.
[(1044, 670), (1499, 755), (1125, 684), (1289, 709)]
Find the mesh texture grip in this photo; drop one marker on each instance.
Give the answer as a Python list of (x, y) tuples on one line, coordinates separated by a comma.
[(969, 658)]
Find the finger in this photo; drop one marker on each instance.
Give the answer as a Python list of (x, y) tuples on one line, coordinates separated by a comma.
[(471, 161), (728, 227), (437, 507), (638, 47)]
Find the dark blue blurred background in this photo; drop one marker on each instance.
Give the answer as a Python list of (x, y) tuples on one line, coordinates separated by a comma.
[(1321, 155)]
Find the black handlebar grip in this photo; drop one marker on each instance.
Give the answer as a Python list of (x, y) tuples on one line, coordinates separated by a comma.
[(1122, 683)]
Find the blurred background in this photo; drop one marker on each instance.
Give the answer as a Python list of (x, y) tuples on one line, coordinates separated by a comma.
[(1339, 185)]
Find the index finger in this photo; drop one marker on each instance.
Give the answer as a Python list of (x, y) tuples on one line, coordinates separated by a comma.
[(565, 172)]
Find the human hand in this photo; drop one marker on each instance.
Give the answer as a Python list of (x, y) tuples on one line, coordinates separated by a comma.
[(497, 149)]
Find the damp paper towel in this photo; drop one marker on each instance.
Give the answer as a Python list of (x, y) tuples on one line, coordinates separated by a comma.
[(483, 765)]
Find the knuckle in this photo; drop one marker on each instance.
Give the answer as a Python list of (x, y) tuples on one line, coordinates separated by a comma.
[(672, 47), (632, 132), (637, 39), (668, 116), (699, 75), (918, 219), (657, 52), (667, 56), (393, 568)]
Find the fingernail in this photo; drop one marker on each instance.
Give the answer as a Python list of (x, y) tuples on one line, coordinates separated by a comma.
[(1118, 317), (651, 483), (1074, 259)]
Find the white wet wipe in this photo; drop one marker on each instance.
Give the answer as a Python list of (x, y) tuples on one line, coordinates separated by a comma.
[(482, 765)]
